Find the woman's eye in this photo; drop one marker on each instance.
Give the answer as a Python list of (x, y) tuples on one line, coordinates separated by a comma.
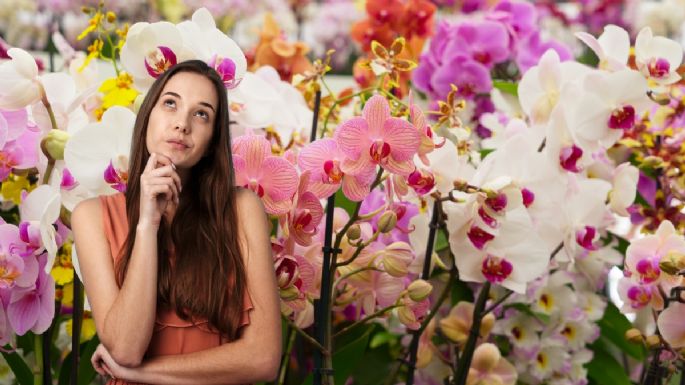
[(203, 115), (169, 103)]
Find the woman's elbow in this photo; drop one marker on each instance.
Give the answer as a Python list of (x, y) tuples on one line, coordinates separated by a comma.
[(125, 356), (269, 368)]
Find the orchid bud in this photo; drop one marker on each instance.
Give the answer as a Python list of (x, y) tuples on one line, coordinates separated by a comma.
[(653, 341), (487, 324), (634, 335), (354, 232), (486, 357), (672, 263), (111, 17), (394, 265), (387, 222), (406, 315), (419, 290), (652, 161), (53, 144)]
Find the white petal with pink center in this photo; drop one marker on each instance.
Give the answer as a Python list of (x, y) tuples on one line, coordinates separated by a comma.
[(66, 103), (152, 48), (209, 44), (611, 103), (91, 151), (657, 57), (624, 188)]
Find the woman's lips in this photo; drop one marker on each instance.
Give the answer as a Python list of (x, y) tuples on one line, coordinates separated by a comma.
[(177, 145)]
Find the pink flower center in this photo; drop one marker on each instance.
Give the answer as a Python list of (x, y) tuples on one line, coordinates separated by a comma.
[(379, 150), (479, 237), (303, 220), (528, 197), (568, 158), (256, 187), (68, 182), (490, 221), (116, 178), (8, 273), (226, 69), (332, 171), (497, 203), (421, 182), (586, 237), (639, 296), (659, 68), (159, 60), (622, 118), (496, 269), (648, 270)]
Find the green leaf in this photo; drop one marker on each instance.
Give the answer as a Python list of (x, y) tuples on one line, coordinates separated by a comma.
[(485, 152), (506, 87), (342, 201), (613, 326), (460, 291), (441, 242), (86, 372), (348, 355), (604, 369), (21, 371)]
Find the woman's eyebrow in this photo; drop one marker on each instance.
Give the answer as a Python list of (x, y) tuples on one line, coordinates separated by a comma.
[(179, 96)]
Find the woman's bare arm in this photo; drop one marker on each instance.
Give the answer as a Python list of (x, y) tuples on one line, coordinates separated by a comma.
[(255, 357), (124, 318)]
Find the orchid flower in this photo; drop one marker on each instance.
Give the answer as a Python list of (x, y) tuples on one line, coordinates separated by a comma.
[(39, 211), (305, 215), (21, 85), (377, 138), (671, 325), (273, 178), (33, 308), (612, 47), (657, 57), (644, 254)]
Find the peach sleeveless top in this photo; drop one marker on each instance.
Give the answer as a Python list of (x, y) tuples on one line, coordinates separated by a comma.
[(171, 334)]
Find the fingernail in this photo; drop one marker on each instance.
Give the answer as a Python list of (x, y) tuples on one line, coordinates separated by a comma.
[(173, 166)]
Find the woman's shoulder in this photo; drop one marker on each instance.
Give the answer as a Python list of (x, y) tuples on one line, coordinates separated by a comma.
[(248, 203), (93, 208)]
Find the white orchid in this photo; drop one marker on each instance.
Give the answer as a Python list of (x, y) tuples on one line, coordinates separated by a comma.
[(39, 211), (214, 47), (541, 85), (612, 47), (97, 155), (151, 49), (66, 104), (448, 166), (657, 57), (610, 103), (20, 81)]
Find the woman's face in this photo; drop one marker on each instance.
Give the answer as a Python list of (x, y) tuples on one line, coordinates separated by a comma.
[(182, 121)]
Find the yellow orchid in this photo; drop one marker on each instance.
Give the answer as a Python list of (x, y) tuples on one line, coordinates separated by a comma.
[(87, 327), (13, 186), (118, 91), (93, 24), (63, 271), (94, 51)]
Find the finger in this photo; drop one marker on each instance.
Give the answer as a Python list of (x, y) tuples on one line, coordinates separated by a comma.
[(165, 160), (151, 163), (166, 180), (170, 172), (162, 189), (107, 370)]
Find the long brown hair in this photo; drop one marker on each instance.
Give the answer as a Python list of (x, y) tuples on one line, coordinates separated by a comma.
[(208, 278)]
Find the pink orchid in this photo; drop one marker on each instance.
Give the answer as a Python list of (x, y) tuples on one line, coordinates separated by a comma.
[(412, 313), (305, 215), (323, 158), (377, 138), (33, 308), (273, 178), (644, 254), (16, 268)]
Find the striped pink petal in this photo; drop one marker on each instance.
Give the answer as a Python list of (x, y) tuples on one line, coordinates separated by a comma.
[(322, 190), (276, 207), (358, 166), (376, 112), (353, 137), (405, 167), (313, 155), (239, 166), (402, 137), (278, 178), (354, 188), (254, 149)]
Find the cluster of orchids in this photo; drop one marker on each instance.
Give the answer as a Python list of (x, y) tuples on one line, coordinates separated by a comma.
[(482, 228)]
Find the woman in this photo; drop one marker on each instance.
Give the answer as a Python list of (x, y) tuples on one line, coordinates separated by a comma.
[(178, 270)]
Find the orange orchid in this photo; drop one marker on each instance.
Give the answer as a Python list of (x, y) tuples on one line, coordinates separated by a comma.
[(287, 58)]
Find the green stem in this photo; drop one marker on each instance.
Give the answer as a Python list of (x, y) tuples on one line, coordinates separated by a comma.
[(53, 123), (38, 367), (286, 355), (470, 347), (335, 104), (365, 319), (306, 336)]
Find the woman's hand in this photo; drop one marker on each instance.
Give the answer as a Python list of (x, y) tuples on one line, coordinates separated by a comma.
[(160, 186), (104, 364)]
